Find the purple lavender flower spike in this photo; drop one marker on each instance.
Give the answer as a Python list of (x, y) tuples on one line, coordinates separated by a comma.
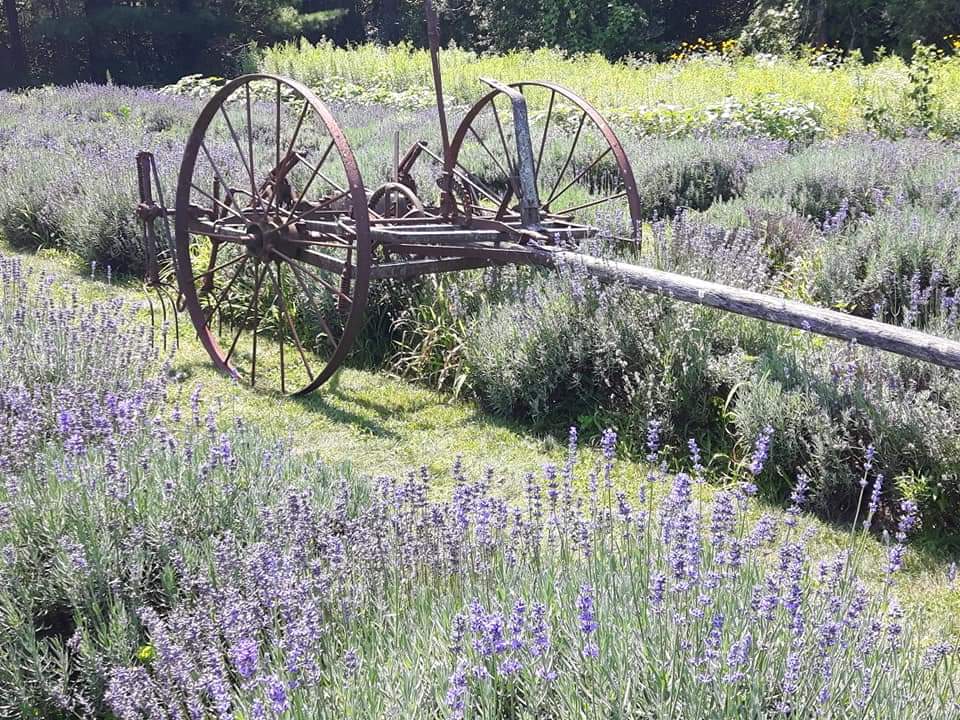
[(761, 451), (874, 501), (588, 623), (653, 440), (277, 695), (457, 692)]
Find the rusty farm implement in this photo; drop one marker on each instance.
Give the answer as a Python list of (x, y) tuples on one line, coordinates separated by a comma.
[(272, 222)]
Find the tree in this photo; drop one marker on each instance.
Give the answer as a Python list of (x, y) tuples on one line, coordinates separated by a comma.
[(18, 53)]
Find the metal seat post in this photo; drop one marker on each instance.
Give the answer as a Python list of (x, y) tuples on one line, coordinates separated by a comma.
[(529, 196)]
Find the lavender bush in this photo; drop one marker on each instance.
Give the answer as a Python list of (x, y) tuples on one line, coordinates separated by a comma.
[(567, 346), (835, 181), (67, 369), (110, 476), (565, 604), (829, 402), (785, 237), (893, 265), (697, 172)]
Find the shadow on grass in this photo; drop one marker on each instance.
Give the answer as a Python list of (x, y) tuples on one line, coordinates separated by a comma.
[(316, 402)]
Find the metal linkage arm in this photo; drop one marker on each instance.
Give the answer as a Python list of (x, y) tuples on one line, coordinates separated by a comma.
[(148, 211), (530, 197)]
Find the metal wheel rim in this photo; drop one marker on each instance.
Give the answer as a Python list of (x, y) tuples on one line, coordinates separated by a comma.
[(606, 131), (357, 195)]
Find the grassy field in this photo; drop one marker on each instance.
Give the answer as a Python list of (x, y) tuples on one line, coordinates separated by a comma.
[(367, 421), (845, 94)]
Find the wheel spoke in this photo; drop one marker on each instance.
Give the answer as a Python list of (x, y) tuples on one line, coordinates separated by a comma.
[(227, 264), (464, 175), (226, 290), (594, 203), (290, 324), (543, 138), (236, 141), (333, 290), (219, 202), (320, 174), (216, 170), (296, 131), (505, 203), (253, 165), (319, 313), (573, 147), (493, 157), (503, 138), (306, 187), (573, 182), (246, 316), (221, 234), (277, 134), (322, 205)]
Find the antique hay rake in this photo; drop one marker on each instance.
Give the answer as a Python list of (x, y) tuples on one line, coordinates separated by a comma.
[(271, 212)]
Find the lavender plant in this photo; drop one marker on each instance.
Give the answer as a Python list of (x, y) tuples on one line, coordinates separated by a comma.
[(833, 182), (68, 370), (566, 604), (696, 172), (570, 345), (892, 265)]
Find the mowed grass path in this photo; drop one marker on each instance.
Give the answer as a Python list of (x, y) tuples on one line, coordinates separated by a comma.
[(370, 421), (379, 425)]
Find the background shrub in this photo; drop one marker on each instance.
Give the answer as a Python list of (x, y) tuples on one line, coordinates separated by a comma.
[(696, 172)]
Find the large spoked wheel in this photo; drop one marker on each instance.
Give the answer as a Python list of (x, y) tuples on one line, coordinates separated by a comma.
[(272, 235), (581, 170)]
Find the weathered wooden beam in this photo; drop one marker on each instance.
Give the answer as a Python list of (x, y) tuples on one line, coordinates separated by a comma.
[(902, 341)]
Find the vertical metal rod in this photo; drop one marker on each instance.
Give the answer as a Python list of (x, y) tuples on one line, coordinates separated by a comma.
[(433, 34), (396, 157)]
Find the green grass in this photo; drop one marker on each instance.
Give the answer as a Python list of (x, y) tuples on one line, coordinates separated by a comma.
[(380, 425), (844, 94), (368, 420)]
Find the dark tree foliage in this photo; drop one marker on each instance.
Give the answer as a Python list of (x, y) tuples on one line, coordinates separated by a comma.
[(15, 56), (151, 41), (157, 41), (868, 25)]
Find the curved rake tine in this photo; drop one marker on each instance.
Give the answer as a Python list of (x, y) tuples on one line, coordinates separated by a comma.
[(153, 321), (163, 315), (176, 315), (166, 292)]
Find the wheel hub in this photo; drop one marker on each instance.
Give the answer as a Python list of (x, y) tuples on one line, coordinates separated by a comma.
[(260, 240)]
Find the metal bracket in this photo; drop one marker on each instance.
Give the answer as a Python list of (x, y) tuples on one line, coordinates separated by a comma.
[(529, 197)]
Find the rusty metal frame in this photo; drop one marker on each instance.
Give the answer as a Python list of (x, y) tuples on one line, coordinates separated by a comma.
[(460, 234)]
